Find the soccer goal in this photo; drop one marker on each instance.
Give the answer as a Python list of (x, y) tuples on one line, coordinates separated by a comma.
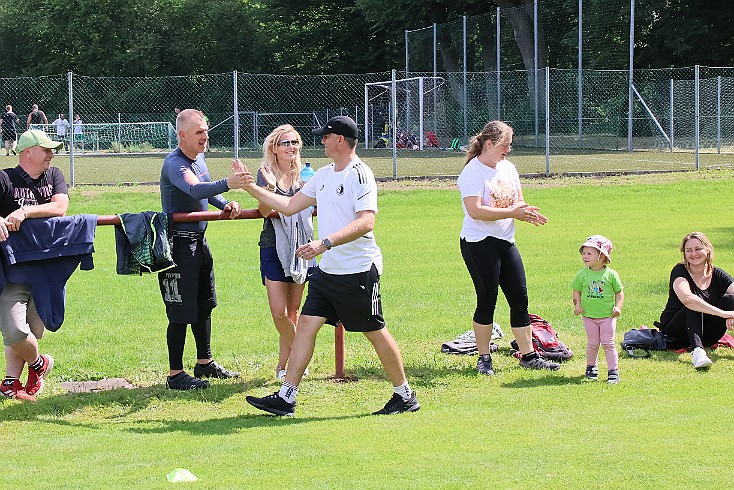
[(414, 107), (142, 137)]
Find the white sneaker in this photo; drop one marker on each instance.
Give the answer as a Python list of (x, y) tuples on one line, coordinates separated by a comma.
[(700, 359)]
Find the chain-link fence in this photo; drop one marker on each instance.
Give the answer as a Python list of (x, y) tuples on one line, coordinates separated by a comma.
[(578, 122)]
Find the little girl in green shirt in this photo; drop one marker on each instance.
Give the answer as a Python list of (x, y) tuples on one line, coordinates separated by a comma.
[(598, 295)]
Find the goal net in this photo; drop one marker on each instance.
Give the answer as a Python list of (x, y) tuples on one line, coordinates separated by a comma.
[(142, 137), (422, 121)]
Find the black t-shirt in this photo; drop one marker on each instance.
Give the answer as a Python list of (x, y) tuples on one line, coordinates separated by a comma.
[(9, 120), (15, 192), (720, 282), (37, 117)]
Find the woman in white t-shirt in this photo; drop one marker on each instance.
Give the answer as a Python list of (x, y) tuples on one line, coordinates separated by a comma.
[(492, 200)]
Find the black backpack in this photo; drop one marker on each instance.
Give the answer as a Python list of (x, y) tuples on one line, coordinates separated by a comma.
[(644, 339)]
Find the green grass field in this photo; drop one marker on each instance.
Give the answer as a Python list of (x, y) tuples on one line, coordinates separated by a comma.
[(664, 426), (114, 169)]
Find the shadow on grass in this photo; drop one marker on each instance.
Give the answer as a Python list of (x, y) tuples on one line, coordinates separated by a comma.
[(230, 425), (551, 379), (133, 400), (212, 426)]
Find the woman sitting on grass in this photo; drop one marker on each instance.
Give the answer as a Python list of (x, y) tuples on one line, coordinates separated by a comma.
[(700, 304)]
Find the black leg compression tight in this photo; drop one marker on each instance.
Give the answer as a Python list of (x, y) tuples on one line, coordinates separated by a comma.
[(202, 331), (176, 339)]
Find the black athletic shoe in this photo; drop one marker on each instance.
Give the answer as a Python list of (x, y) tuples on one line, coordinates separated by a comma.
[(184, 381), (613, 377), (213, 370), (396, 404), (592, 373), (484, 365), (273, 404), (539, 363)]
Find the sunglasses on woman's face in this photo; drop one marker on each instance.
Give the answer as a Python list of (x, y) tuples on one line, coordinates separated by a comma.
[(288, 143)]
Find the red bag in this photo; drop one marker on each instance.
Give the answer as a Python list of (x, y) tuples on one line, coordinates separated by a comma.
[(545, 341)]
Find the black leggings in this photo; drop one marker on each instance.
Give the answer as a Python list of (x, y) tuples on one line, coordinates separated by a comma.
[(491, 263), (176, 338), (690, 328)]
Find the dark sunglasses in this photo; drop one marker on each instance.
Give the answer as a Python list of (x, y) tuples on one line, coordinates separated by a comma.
[(288, 143)]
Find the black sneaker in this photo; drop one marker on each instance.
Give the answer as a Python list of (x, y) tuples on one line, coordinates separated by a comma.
[(396, 404), (184, 381), (613, 377), (539, 363), (592, 373), (213, 370), (273, 404), (484, 365)]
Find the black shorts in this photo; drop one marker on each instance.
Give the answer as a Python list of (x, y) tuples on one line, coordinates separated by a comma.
[(353, 299), (188, 289)]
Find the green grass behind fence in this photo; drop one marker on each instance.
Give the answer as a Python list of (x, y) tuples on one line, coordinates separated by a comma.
[(112, 169), (664, 426)]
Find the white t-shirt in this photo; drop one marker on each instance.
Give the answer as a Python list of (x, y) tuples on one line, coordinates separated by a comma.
[(339, 197), (498, 187), (61, 125)]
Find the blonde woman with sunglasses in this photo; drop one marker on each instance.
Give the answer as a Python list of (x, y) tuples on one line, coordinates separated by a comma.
[(280, 174)]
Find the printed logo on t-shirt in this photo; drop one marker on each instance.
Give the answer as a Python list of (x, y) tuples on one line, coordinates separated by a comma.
[(501, 193), (596, 290), (340, 190)]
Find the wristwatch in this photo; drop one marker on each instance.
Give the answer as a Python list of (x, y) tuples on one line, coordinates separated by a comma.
[(326, 243)]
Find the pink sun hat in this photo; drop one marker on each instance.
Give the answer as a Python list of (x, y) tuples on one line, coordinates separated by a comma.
[(601, 243)]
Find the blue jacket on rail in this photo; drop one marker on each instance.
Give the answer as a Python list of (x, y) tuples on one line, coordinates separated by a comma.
[(43, 254)]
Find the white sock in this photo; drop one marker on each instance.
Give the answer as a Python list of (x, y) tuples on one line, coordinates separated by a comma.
[(403, 390), (288, 392)]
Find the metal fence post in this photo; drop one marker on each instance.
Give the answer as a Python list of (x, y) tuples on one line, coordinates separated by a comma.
[(393, 123), (547, 121), (697, 114), (718, 115), (535, 66), (581, 73), (631, 73), (499, 93), (672, 134), (466, 108), (366, 118), (236, 115), (71, 129)]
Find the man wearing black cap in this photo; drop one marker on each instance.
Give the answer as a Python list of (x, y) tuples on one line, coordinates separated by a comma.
[(346, 285)]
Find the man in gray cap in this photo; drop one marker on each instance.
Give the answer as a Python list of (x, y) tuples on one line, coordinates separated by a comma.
[(33, 189), (345, 286)]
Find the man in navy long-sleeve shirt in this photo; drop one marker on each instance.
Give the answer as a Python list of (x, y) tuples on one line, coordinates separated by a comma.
[(188, 289)]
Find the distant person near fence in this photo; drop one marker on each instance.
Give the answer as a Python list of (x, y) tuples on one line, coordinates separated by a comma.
[(36, 118), (61, 124), (78, 132), (10, 126)]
